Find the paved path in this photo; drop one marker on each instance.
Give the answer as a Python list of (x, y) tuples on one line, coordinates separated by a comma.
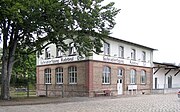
[(144, 103)]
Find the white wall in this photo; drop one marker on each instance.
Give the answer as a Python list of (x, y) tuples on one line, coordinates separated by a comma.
[(163, 80), (114, 52)]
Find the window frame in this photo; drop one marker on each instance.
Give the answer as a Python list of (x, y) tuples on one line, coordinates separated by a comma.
[(59, 51), (143, 56), (132, 76), (120, 72), (59, 75), (47, 76), (143, 77), (72, 73), (133, 54), (72, 49), (106, 49), (47, 53), (121, 51), (106, 76)]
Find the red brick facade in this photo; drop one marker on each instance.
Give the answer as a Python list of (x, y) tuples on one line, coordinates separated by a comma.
[(89, 78)]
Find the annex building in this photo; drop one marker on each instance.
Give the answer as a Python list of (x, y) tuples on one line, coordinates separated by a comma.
[(122, 68)]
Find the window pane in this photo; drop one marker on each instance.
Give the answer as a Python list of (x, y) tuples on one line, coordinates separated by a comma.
[(59, 75), (132, 76), (106, 75), (47, 74), (106, 49), (72, 74)]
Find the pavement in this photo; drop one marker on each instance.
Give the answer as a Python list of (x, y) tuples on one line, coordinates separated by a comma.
[(141, 103)]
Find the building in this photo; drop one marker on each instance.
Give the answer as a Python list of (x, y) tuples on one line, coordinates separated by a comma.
[(166, 78), (122, 68)]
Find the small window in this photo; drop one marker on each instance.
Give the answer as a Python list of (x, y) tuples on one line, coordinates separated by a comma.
[(106, 75), (143, 77), (72, 71), (133, 54), (132, 76), (143, 56), (120, 72), (72, 49), (59, 75), (121, 52), (106, 48), (47, 74), (47, 53)]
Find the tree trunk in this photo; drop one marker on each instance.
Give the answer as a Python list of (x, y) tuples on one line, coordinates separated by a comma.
[(5, 83)]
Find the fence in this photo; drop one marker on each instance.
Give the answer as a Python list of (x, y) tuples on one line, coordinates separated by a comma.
[(61, 90)]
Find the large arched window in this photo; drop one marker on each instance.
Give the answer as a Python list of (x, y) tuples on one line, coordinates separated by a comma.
[(143, 77), (132, 76), (59, 75), (47, 75), (106, 75), (72, 71)]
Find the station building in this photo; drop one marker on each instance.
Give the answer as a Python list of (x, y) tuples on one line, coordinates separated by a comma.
[(122, 68)]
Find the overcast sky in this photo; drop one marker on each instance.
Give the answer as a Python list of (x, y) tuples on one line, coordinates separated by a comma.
[(153, 23)]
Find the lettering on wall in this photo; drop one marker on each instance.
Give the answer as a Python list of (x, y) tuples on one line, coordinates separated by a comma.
[(113, 59), (61, 60)]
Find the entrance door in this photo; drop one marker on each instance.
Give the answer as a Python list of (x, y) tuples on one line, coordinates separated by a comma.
[(170, 82), (119, 86), (155, 83)]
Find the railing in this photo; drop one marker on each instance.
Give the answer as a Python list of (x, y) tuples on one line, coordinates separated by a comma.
[(61, 90)]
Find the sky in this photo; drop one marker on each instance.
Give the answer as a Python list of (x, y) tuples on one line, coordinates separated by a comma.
[(152, 23)]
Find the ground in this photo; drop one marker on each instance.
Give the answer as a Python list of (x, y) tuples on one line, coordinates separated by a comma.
[(142, 103)]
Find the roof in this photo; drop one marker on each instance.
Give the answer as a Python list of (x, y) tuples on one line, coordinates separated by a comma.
[(132, 43), (167, 64)]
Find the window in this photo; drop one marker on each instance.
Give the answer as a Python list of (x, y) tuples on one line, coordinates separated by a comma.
[(47, 53), (106, 75), (58, 51), (72, 49), (132, 76), (120, 72), (121, 52), (59, 75), (106, 48), (72, 71), (143, 56), (47, 74), (143, 77), (133, 54)]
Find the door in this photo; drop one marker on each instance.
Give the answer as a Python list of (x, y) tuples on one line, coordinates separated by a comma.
[(155, 83), (170, 82), (119, 86)]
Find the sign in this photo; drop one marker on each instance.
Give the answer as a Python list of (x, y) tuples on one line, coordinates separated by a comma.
[(113, 59), (132, 87), (60, 60)]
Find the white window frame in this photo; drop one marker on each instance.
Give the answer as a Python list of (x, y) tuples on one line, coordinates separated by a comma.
[(106, 48), (72, 71), (132, 76), (133, 54), (143, 77), (72, 49), (106, 75), (58, 51), (143, 56), (120, 72), (121, 51), (47, 53), (47, 75), (59, 75)]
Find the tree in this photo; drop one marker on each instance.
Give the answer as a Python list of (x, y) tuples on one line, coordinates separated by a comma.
[(25, 26)]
